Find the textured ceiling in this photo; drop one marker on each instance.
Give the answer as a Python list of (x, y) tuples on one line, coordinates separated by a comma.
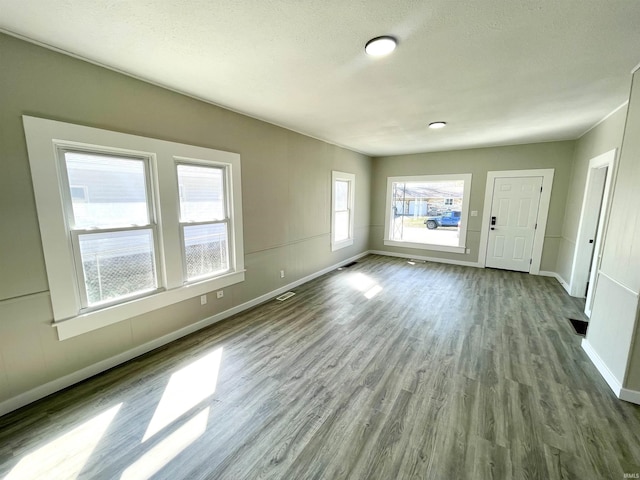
[(498, 71)]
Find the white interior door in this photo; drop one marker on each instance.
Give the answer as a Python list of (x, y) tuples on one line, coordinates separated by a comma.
[(514, 212)]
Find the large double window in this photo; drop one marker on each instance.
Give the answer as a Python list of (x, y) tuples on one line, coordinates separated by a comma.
[(130, 224), (428, 212)]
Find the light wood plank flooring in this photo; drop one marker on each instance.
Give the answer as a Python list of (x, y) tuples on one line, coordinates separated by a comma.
[(445, 372)]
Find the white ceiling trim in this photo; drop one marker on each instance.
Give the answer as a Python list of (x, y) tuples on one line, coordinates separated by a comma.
[(603, 119)]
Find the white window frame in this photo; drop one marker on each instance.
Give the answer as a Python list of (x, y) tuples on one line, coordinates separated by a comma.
[(464, 215), (350, 178), (45, 138), (76, 232), (226, 219)]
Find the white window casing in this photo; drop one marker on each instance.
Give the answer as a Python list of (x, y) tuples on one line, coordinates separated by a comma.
[(342, 209), (47, 140)]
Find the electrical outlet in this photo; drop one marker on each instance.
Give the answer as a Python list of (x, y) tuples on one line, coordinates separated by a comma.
[(474, 213), (203, 299), (220, 293), (281, 273), (468, 250)]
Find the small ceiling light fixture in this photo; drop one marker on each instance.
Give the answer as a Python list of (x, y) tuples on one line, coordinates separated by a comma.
[(436, 125), (380, 46)]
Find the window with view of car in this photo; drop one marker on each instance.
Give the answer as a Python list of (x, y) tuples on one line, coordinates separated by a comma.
[(131, 224), (428, 212)]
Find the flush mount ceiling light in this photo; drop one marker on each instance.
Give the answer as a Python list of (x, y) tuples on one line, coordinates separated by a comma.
[(436, 125), (380, 46)]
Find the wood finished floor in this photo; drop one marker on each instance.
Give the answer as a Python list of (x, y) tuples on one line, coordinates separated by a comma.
[(448, 372)]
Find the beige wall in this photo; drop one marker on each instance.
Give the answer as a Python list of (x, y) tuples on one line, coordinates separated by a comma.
[(604, 137), (556, 155), (618, 284), (286, 196), (286, 181)]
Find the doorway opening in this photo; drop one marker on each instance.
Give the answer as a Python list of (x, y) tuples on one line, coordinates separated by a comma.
[(593, 217)]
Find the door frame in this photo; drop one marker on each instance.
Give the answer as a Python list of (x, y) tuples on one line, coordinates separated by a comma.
[(541, 220), (580, 254)]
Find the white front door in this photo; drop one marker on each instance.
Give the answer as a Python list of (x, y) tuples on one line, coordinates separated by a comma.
[(514, 212)]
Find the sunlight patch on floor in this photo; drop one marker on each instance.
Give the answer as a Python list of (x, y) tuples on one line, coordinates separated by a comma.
[(186, 388), (65, 456), (373, 291), (169, 448), (365, 284)]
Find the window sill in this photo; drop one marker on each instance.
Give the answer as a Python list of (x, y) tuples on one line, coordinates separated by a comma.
[(425, 246), (338, 245), (90, 321)]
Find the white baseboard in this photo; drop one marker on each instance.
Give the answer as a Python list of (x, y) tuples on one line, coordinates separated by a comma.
[(546, 273), (63, 382), (632, 396), (428, 259), (562, 281), (609, 377)]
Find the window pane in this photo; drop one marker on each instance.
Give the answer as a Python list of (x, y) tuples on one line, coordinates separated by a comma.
[(341, 228), (206, 249), (201, 193), (342, 195), (427, 212), (79, 194), (117, 264), (106, 191)]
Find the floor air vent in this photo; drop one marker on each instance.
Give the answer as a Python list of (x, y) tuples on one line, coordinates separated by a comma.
[(285, 296), (579, 326), (347, 265)]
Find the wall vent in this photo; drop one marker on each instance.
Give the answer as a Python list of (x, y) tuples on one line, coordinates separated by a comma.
[(285, 296)]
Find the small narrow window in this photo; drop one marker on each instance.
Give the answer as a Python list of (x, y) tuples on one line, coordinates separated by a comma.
[(342, 219), (204, 220), (113, 233)]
